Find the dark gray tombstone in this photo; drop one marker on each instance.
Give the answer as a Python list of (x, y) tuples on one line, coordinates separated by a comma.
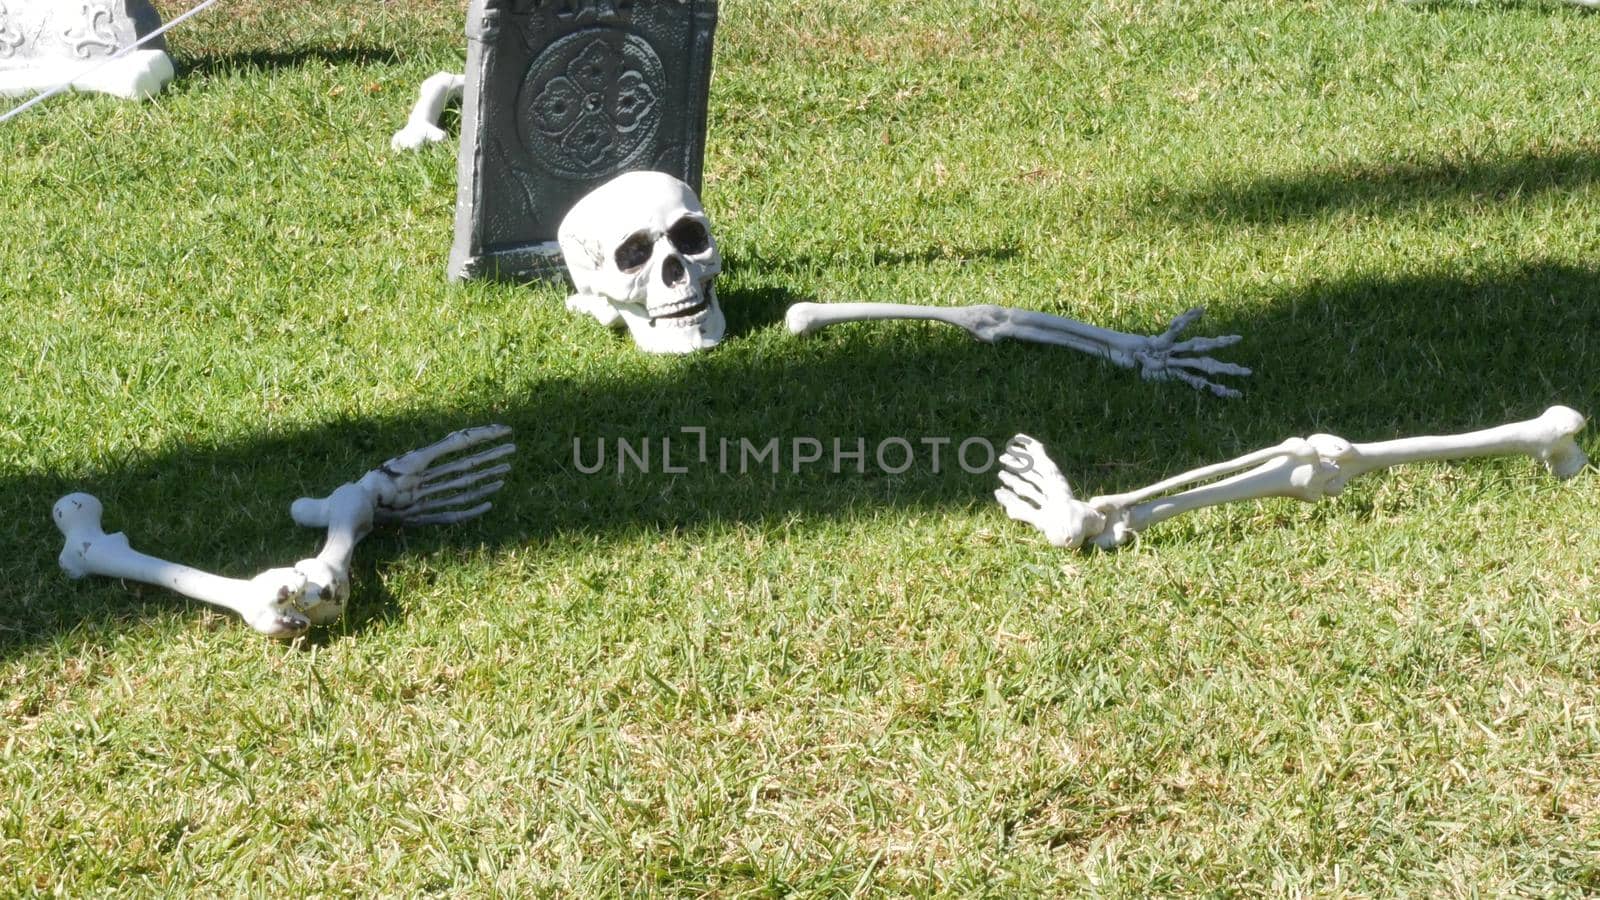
[(561, 96), (44, 43)]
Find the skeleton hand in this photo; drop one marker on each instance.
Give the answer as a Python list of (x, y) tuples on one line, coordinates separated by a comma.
[(1159, 358), (410, 490), (1037, 493), (407, 490)]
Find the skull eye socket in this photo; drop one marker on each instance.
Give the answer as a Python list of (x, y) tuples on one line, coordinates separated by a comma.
[(634, 252), (689, 236)]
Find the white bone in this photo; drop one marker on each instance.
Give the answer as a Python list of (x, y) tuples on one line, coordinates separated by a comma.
[(393, 493), (267, 602), (642, 256), (422, 128), (396, 488), (406, 490), (1159, 358), (1034, 491)]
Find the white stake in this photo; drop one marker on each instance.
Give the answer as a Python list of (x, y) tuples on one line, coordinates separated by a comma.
[(1034, 490), (406, 490), (1159, 358)]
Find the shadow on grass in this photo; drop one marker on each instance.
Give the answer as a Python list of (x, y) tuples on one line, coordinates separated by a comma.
[(1366, 358), (1387, 187), (1548, 7), (923, 256), (254, 61)]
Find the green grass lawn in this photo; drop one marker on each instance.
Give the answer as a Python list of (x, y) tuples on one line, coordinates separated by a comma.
[(817, 683)]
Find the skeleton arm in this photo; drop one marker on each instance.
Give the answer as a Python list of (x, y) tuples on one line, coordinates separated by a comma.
[(406, 490), (1159, 358), (1034, 491)]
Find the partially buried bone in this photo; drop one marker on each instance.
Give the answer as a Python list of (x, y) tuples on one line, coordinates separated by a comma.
[(422, 128), (1034, 490), (1159, 358), (407, 490)]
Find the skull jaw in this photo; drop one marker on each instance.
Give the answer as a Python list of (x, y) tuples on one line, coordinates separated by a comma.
[(700, 331)]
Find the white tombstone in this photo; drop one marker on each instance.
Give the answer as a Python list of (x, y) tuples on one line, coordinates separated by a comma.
[(47, 43)]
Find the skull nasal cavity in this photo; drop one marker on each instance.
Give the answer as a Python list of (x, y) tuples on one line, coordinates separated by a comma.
[(673, 272)]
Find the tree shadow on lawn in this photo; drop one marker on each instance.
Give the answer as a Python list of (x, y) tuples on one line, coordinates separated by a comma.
[(931, 255), (250, 61), (1548, 7), (1386, 187), (1367, 358)]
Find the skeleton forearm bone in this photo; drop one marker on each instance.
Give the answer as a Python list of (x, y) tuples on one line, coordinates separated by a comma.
[(1157, 358), (1034, 491), (422, 128), (406, 490)]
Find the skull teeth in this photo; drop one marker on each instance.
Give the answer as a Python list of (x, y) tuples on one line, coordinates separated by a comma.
[(678, 314), (691, 310)]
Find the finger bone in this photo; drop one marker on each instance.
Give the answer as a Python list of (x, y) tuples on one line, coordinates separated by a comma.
[(432, 489), (448, 518), (1205, 344), (450, 501), (417, 460), (469, 462), (1023, 488)]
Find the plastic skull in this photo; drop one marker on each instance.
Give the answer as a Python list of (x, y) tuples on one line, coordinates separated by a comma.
[(641, 255)]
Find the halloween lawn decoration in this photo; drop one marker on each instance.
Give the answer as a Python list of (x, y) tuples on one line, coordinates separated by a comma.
[(1159, 358), (413, 489), (559, 98), (47, 43), (1034, 490), (641, 255), (422, 128)]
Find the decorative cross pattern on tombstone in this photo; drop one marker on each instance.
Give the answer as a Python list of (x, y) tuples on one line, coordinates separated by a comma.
[(561, 96), (45, 43)]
